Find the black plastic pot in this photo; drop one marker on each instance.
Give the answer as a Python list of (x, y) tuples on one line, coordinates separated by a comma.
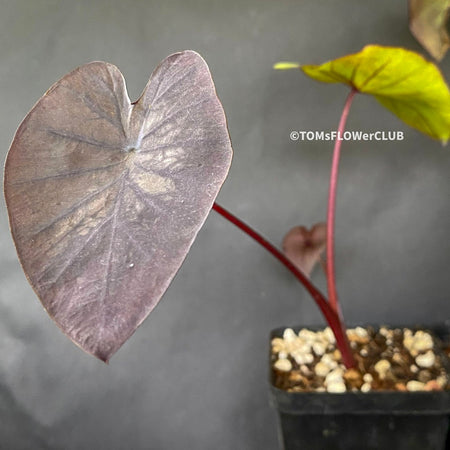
[(356, 420)]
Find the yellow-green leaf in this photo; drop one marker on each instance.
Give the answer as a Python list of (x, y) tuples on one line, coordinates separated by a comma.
[(401, 80)]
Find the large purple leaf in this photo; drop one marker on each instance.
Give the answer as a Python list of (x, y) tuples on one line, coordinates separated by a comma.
[(105, 197)]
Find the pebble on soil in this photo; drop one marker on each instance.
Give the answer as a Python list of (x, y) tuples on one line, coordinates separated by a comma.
[(388, 359)]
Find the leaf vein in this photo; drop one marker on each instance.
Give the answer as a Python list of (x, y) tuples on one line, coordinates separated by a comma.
[(71, 173), (74, 207), (82, 139)]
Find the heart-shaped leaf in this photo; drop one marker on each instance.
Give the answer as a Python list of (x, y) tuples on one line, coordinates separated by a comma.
[(401, 80), (428, 22), (105, 197), (304, 247)]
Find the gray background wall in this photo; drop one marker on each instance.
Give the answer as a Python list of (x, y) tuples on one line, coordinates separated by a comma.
[(194, 374)]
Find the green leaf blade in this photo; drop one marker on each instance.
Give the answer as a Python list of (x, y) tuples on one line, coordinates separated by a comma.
[(401, 80)]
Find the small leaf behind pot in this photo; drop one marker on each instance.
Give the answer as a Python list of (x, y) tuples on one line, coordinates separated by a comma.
[(304, 247)]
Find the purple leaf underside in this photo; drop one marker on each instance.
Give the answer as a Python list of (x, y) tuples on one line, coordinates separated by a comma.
[(105, 197)]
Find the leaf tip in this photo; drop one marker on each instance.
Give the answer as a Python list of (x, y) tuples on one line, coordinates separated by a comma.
[(103, 357), (284, 65)]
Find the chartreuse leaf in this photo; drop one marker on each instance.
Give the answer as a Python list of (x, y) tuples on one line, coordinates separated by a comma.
[(401, 80)]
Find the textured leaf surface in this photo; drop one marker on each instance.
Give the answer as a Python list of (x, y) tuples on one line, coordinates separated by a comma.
[(401, 80), (106, 197), (304, 247), (428, 22)]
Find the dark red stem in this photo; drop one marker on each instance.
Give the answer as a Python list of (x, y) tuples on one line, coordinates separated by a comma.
[(330, 315), (331, 277)]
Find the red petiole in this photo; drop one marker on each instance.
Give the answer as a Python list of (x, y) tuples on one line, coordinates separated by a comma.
[(330, 315), (330, 272), (331, 310)]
